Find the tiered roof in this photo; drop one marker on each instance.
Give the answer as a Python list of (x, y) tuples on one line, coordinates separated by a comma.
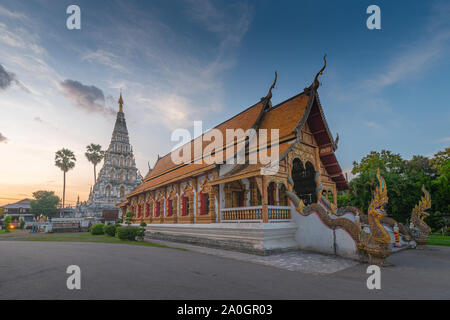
[(289, 117)]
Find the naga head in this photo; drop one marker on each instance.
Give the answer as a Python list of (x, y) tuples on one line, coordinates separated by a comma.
[(424, 204), (380, 198)]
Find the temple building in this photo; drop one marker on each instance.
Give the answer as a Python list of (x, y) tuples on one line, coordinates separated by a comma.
[(118, 176), (239, 199)]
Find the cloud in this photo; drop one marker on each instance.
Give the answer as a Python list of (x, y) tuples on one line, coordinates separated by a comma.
[(418, 56), (88, 98), (106, 58), (443, 140), (12, 15), (373, 124), (3, 139), (6, 78)]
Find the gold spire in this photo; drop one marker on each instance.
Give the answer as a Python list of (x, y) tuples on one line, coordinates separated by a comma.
[(120, 102), (316, 83)]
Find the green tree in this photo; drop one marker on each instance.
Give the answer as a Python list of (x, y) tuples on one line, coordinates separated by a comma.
[(404, 180), (6, 223), (440, 158), (403, 192), (65, 160), (94, 154), (440, 189), (46, 203), (385, 160)]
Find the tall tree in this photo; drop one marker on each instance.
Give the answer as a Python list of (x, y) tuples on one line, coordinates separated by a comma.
[(94, 154), (45, 202), (440, 158), (65, 160)]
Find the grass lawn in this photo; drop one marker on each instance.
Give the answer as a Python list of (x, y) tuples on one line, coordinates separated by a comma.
[(438, 240), (79, 237), (3, 231)]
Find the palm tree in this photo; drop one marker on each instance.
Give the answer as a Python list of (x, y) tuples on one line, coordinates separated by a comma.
[(95, 155), (65, 160)]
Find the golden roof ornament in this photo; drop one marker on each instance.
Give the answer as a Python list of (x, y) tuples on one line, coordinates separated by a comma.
[(269, 94), (316, 82), (120, 102)]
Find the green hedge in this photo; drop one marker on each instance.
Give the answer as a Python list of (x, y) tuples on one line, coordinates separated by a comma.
[(110, 230), (97, 229), (127, 233)]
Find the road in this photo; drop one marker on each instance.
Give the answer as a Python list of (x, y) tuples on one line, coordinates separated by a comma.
[(37, 270)]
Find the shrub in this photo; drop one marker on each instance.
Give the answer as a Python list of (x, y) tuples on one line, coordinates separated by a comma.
[(127, 233), (97, 229), (110, 230), (118, 221), (22, 224), (129, 217), (140, 233), (143, 224)]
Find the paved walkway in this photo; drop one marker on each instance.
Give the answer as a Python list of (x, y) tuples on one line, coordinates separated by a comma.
[(37, 270), (293, 261)]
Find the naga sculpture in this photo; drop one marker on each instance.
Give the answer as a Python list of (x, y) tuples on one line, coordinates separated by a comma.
[(323, 210), (376, 243), (419, 229)]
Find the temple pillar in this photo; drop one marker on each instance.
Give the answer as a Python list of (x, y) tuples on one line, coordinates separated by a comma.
[(264, 199)]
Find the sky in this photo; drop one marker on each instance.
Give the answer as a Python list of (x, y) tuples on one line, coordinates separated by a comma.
[(182, 61)]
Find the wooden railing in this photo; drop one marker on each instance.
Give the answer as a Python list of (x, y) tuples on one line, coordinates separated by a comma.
[(242, 213), (254, 214), (279, 213)]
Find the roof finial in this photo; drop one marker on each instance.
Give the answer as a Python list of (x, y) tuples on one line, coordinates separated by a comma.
[(316, 83), (120, 102), (269, 94)]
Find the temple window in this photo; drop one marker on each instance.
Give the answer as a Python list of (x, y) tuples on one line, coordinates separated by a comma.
[(185, 206), (204, 203), (282, 195), (122, 191), (271, 194), (147, 210), (169, 208), (234, 194), (108, 191), (158, 209)]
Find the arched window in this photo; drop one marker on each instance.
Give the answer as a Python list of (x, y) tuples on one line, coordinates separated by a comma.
[(108, 191), (122, 191), (304, 181)]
